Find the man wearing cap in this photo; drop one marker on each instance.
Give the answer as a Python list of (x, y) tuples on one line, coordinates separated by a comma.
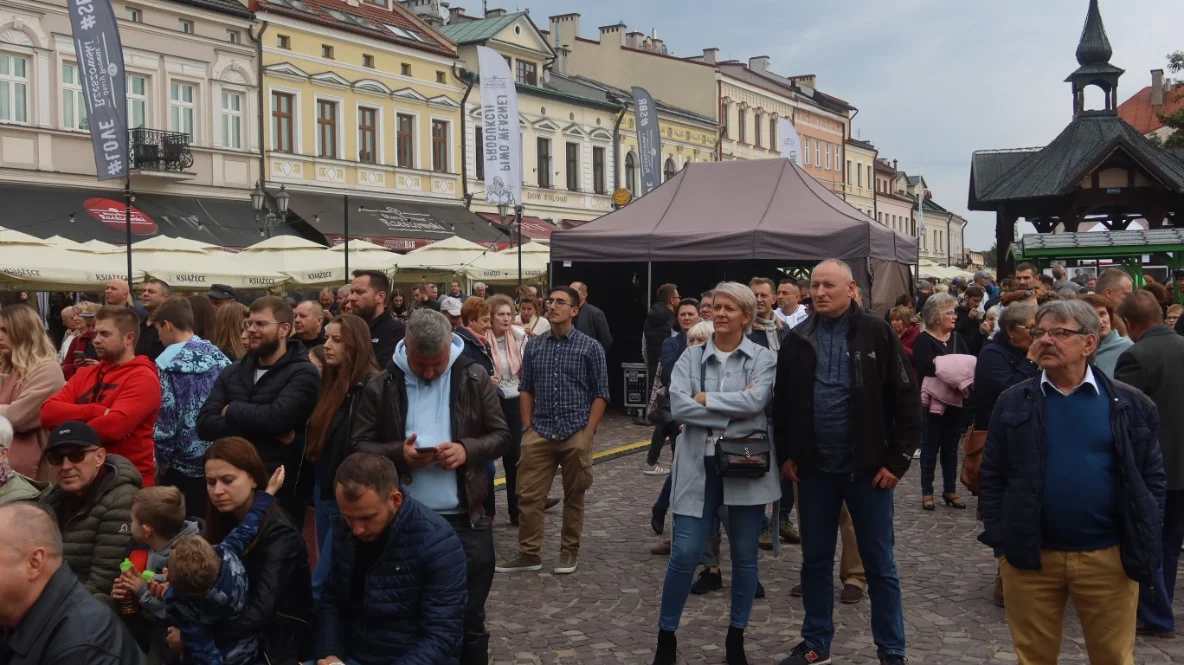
[(982, 279), (220, 294), (92, 503), (119, 396), (450, 307), (368, 296)]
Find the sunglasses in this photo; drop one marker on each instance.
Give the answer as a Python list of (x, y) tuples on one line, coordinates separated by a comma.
[(75, 455)]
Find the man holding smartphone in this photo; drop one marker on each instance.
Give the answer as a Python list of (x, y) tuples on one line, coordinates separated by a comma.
[(436, 415)]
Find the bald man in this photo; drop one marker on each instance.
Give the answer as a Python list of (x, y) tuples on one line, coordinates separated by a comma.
[(117, 293), (309, 324), (52, 619)]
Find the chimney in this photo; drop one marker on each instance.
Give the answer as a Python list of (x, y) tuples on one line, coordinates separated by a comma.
[(456, 14), (1157, 87), (635, 39), (494, 13), (711, 55), (894, 166), (562, 53), (759, 64), (613, 34), (565, 28)]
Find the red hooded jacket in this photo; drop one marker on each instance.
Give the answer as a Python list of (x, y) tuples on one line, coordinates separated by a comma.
[(120, 402)]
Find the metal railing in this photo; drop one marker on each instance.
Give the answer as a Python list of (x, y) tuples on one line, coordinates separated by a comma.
[(158, 150)]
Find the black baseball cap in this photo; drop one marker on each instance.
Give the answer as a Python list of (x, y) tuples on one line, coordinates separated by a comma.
[(221, 292), (73, 433)]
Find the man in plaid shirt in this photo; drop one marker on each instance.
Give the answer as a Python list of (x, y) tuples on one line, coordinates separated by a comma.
[(564, 392)]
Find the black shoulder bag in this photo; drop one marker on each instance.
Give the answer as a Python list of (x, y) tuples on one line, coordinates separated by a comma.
[(736, 457)]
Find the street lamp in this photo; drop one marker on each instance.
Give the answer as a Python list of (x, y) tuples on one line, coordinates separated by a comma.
[(265, 219), (503, 211)]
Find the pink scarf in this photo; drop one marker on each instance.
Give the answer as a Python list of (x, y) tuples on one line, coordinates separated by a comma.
[(513, 352)]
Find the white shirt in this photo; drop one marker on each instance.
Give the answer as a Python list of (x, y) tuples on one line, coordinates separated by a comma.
[(792, 320), (1088, 380)]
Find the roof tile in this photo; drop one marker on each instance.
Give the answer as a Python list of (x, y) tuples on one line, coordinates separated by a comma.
[(397, 15)]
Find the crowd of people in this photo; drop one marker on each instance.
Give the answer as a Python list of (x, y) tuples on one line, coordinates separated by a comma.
[(162, 456)]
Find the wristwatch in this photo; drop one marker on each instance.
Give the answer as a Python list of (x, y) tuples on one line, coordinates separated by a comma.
[(524, 428)]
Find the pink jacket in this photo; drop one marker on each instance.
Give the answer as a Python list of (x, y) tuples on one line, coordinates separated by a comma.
[(955, 376)]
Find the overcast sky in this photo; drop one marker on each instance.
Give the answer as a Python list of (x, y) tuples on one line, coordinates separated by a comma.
[(934, 80)]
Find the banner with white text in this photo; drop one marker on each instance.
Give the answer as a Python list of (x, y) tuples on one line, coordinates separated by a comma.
[(791, 143), (100, 66), (649, 139), (501, 146)]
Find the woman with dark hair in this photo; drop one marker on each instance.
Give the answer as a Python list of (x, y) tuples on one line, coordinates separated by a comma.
[(398, 305), (349, 363), (279, 605), (203, 315), (1111, 340)]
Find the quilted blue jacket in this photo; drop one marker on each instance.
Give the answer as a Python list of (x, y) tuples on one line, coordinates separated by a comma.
[(412, 612), (185, 381)]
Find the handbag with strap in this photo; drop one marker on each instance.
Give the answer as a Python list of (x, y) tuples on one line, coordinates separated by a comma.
[(738, 457), (658, 408), (974, 442)]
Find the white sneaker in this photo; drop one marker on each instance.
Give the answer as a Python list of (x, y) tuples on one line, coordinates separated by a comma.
[(917, 454), (658, 470), (567, 565)]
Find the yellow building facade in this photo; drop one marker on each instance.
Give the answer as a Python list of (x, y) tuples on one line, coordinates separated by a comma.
[(362, 101)]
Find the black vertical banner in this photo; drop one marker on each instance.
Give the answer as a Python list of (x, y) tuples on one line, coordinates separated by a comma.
[(649, 140), (100, 65)]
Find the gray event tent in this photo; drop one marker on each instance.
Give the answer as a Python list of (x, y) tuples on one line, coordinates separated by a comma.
[(747, 210)]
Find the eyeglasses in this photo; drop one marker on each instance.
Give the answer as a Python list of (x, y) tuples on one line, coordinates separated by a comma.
[(248, 324), (1058, 333), (1173, 319), (552, 301), (76, 455)]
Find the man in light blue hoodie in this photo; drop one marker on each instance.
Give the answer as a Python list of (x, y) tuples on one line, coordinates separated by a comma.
[(436, 414)]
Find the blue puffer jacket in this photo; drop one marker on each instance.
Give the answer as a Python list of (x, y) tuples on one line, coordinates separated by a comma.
[(1012, 476), (414, 604), (185, 381)]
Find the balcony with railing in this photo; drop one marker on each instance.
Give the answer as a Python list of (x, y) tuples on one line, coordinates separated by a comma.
[(157, 152)]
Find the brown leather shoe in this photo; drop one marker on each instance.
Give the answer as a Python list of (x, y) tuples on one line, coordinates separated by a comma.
[(850, 594), (998, 591), (796, 592), (661, 549), (551, 503)]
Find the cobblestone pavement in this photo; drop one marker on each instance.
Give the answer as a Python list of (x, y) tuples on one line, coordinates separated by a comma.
[(607, 613)]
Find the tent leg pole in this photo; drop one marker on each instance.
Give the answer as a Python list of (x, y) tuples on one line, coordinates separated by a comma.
[(346, 252), (649, 285), (127, 221)]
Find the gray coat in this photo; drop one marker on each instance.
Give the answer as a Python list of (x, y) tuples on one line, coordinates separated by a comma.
[(1155, 365), (733, 411)]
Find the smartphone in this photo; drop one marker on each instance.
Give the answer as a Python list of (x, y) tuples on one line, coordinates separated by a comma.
[(428, 450), (79, 356)]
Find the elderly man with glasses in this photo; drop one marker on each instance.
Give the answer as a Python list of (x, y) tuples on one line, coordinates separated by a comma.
[(1072, 490), (92, 503)]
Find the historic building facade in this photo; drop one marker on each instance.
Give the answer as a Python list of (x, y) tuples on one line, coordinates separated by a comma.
[(859, 177)]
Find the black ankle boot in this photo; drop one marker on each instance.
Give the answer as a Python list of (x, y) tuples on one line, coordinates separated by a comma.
[(734, 646), (667, 653)]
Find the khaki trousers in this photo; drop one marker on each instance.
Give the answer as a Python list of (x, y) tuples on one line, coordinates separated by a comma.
[(1106, 601), (536, 471), (850, 564)]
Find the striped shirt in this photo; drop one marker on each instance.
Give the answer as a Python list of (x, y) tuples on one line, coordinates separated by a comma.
[(564, 375)]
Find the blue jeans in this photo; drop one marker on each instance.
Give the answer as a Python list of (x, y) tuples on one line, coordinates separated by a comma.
[(324, 510), (820, 498), (686, 548), (786, 505), (1155, 609)]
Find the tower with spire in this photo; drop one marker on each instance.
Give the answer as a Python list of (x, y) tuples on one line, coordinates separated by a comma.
[(1093, 56)]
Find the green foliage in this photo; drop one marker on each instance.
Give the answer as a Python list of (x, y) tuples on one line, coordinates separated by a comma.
[(1176, 62), (991, 256)]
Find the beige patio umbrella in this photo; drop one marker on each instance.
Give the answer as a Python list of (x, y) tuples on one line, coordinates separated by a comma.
[(441, 260), (310, 264), (502, 267), (191, 265), (32, 264)]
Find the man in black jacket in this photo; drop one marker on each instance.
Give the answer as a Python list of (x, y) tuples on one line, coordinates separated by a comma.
[(591, 320), (404, 412), (659, 326), (1072, 487), (846, 419), (47, 618), (1155, 365), (266, 398), (368, 296), (148, 343)]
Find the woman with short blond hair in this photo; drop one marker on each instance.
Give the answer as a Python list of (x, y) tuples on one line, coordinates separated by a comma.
[(29, 375)]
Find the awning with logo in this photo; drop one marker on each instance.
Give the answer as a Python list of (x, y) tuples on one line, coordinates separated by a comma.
[(92, 214), (392, 223)]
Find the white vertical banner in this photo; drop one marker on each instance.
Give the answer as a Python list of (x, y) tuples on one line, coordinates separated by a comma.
[(502, 137), (791, 143), (920, 215)]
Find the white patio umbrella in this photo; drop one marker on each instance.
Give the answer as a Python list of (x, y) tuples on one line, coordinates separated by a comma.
[(310, 264), (441, 260), (502, 268), (189, 264), (101, 247), (33, 264)]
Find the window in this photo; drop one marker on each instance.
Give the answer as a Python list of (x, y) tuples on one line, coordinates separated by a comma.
[(827, 156), (806, 151), (858, 175), (134, 15), (742, 121), (598, 171), (441, 77), (543, 161), (405, 140), (234, 37), (281, 121), (326, 51), (73, 103), (283, 41), (182, 109), (756, 130), (817, 154), (527, 73), (440, 146), (405, 69), (573, 167), (631, 173), (849, 179), (368, 61), (186, 26), (14, 88), (368, 135), (869, 176), (137, 100), (232, 120), (839, 158), (723, 115), (326, 129), (668, 171), (773, 133), (480, 156)]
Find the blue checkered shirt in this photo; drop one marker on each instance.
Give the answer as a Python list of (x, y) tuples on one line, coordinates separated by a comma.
[(563, 374)]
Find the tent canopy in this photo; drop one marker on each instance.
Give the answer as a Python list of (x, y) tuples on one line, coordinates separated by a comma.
[(732, 211)]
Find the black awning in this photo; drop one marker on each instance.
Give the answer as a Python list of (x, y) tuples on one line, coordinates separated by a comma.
[(393, 223), (100, 215)]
